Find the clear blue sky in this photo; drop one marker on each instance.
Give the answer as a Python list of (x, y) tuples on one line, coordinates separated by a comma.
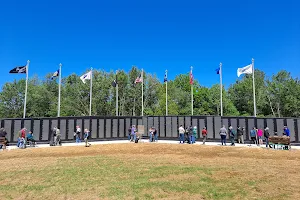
[(154, 35)]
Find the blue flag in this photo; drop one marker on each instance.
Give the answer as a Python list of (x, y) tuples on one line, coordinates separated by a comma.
[(165, 78), (218, 70)]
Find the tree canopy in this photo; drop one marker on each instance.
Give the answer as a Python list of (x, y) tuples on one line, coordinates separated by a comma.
[(275, 96)]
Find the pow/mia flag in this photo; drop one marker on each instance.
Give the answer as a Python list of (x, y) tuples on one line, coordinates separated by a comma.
[(18, 70)]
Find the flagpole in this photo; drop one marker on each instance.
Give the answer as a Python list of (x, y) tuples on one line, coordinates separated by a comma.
[(254, 99), (91, 91), (192, 95), (26, 88), (166, 93), (117, 95), (59, 91), (221, 90), (142, 92)]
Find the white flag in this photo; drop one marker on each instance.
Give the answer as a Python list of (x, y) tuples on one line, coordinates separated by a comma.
[(86, 76), (245, 70)]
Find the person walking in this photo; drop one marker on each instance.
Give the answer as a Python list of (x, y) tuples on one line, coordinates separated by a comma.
[(3, 140), (267, 135), (223, 134), (195, 136), (204, 134), (232, 135), (259, 135), (253, 135), (240, 135), (181, 134)]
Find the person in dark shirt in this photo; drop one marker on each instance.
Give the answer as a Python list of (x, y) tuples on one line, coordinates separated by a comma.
[(267, 135)]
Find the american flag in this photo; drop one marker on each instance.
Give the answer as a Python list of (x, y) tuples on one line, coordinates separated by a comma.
[(191, 78), (139, 79)]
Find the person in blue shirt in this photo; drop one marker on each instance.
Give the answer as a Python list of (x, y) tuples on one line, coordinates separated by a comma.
[(286, 131), (86, 137), (29, 137)]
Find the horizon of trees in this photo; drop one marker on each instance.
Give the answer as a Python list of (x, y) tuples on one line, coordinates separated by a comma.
[(277, 96)]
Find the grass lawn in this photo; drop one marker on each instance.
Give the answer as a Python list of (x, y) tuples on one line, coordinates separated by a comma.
[(149, 171)]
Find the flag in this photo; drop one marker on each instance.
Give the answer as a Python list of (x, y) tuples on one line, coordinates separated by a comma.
[(166, 78), (245, 70), (86, 76), (191, 78), (19, 70), (218, 70), (55, 74), (114, 83), (139, 79)]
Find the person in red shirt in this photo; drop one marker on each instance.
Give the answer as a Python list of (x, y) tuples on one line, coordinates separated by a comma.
[(21, 139), (204, 134)]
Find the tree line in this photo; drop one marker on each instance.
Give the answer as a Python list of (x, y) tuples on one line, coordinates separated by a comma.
[(276, 96)]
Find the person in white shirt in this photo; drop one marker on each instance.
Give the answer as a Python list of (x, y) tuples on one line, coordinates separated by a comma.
[(181, 134), (77, 134)]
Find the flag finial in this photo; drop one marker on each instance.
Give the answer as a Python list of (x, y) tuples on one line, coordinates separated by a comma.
[(60, 64)]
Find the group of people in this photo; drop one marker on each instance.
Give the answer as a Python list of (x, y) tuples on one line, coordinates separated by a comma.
[(190, 135), (256, 135), (86, 136)]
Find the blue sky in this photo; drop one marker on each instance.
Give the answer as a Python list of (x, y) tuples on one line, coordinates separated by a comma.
[(154, 35)]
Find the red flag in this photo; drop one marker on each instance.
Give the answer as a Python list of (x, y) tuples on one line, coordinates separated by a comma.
[(191, 78)]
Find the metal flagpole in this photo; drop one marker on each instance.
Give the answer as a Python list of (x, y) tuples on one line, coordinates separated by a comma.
[(117, 95), (192, 95), (142, 76), (166, 93), (91, 91), (221, 89), (254, 99), (59, 91), (26, 89)]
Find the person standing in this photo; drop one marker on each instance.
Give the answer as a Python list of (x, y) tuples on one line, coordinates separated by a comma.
[(77, 134), (195, 136), (223, 134), (21, 139), (181, 134), (86, 137), (286, 131), (259, 135), (151, 134), (240, 135), (267, 135), (57, 140), (232, 135), (190, 135), (253, 135), (129, 133), (133, 133), (204, 134)]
